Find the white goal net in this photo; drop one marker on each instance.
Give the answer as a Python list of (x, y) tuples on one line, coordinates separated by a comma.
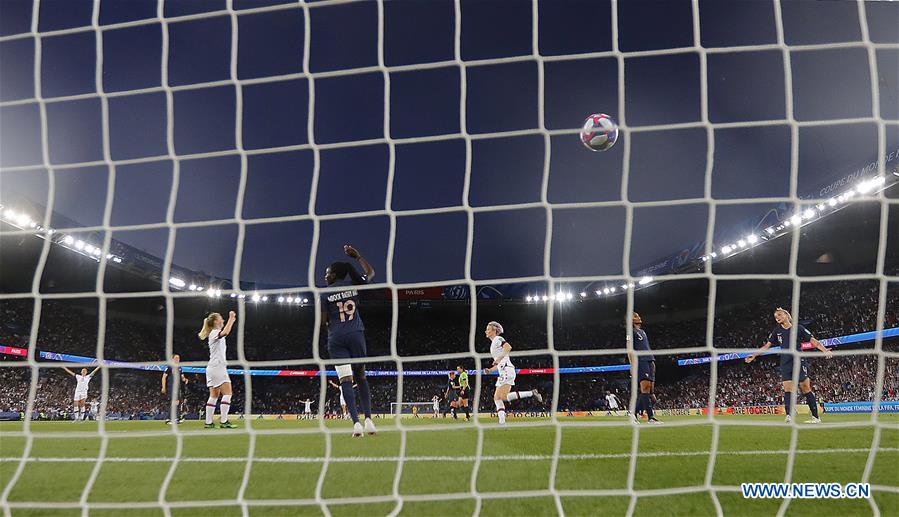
[(163, 160)]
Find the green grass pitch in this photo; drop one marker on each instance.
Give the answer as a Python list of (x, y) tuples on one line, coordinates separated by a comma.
[(514, 476)]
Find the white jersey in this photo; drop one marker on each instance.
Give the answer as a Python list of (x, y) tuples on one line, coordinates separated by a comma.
[(436, 406), (83, 381), (612, 400), (308, 405), (216, 348), (496, 350), (95, 407)]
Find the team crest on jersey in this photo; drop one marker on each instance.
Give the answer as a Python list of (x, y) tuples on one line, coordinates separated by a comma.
[(780, 339)]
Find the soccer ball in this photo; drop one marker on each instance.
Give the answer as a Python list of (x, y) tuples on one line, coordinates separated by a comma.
[(599, 133)]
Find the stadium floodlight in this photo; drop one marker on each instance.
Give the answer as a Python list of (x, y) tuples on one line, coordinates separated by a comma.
[(88, 248), (820, 206), (68, 240), (256, 297), (233, 295), (796, 219), (569, 296), (79, 245), (544, 298), (192, 287), (752, 238), (529, 298), (96, 252), (725, 250), (606, 291), (32, 224), (199, 288), (770, 230), (583, 294), (704, 258), (741, 243), (23, 219), (265, 298), (645, 280), (10, 214), (177, 282), (280, 299), (305, 300), (809, 213), (613, 289), (290, 299), (832, 202), (211, 293), (598, 292)]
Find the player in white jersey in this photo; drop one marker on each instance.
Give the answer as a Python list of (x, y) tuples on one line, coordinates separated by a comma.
[(436, 401), (613, 404), (214, 331), (500, 350), (95, 409), (82, 379), (307, 409)]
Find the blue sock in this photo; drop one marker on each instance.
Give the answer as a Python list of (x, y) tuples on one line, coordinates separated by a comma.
[(349, 396), (647, 405), (812, 403), (788, 404), (639, 406), (364, 397)]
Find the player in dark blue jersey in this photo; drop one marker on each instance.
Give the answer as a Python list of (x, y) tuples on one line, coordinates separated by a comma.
[(346, 333), (783, 335), (646, 370)]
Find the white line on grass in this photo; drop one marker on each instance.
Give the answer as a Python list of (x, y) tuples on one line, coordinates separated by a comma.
[(529, 457)]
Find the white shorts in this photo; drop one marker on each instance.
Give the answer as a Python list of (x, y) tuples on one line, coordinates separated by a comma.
[(613, 407), (307, 411), (216, 376), (506, 376), (342, 400), (80, 395)]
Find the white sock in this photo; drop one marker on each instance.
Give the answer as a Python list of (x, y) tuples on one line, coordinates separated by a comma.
[(500, 411), (75, 417), (81, 414), (210, 408), (225, 406), (515, 395)]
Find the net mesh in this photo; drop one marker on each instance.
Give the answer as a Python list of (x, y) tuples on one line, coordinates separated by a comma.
[(328, 432)]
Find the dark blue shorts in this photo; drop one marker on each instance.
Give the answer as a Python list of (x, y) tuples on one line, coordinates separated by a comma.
[(170, 390), (646, 371), (786, 371), (347, 346)]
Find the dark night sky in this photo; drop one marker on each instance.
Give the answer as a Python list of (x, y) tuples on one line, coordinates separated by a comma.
[(749, 162)]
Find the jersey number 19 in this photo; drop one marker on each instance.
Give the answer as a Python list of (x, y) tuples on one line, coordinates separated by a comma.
[(347, 310)]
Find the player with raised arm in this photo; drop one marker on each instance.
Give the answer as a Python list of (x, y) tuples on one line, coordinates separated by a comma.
[(788, 342), (173, 383), (307, 409), (500, 350), (346, 334), (82, 382), (464, 391), (344, 414), (646, 370), (215, 330), (436, 402)]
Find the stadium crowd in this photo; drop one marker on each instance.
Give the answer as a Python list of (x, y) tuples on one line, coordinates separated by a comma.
[(828, 309)]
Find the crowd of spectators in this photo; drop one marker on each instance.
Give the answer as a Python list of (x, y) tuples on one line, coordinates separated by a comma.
[(828, 309)]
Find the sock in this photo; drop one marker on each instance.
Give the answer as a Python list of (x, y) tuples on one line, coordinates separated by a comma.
[(350, 397), (788, 404), (81, 414), (639, 407), (365, 397), (647, 405), (455, 416), (467, 413), (500, 411), (224, 407), (515, 395), (812, 403), (178, 411), (210, 409)]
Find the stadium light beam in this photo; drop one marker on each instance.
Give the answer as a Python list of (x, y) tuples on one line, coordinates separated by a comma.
[(752, 239), (645, 280)]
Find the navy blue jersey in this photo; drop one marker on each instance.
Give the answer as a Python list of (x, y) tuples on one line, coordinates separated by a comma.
[(343, 308), (784, 338), (641, 342), (174, 375)]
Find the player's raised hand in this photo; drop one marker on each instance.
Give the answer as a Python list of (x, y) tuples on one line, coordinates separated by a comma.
[(828, 354), (749, 358), (232, 314), (350, 251)]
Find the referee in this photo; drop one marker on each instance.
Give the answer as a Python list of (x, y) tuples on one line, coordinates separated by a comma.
[(174, 388)]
